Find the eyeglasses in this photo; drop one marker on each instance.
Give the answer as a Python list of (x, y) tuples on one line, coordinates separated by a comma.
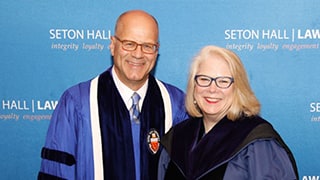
[(223, 82), (128, 45)]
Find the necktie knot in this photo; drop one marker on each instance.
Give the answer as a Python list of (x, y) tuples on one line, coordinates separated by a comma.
[(135, 98), (135, 107)]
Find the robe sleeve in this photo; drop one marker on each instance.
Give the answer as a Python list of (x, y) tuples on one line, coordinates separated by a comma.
[(68, 151), (58, 154), (262, 159)]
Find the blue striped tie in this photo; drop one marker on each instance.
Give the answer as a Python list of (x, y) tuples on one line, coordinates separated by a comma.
[(135, 107)]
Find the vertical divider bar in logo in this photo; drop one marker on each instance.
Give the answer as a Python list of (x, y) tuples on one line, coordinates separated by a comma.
[(32, 105)]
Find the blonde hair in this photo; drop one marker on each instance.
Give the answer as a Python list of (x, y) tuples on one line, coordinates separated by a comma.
[(244, 102)]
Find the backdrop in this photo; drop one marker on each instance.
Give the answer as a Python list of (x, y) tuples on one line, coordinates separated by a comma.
[(47, 46)]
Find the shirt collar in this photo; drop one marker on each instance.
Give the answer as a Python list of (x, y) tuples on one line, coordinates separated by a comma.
[(126, 92)]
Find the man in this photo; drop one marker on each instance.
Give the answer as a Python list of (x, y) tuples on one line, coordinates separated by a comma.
[(95, 132)]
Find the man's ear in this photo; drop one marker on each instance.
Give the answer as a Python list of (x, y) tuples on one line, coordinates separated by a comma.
[(111, 45)]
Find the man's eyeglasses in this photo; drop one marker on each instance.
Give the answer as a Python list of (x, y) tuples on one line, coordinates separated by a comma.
[(223, 82), (145, 47)]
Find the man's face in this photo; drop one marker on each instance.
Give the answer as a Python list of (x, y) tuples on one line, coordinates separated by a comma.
[(133, 67)]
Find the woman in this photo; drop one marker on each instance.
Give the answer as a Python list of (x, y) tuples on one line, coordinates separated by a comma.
[(225, 138)]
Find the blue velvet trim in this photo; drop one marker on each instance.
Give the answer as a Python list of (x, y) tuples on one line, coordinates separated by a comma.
[(58, 156)]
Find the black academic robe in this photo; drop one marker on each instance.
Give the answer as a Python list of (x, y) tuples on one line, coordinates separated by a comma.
[(198, 156)]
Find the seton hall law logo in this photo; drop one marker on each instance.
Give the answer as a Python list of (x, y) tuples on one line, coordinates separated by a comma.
[(310, 177), (72, 34), (33, 105), (68, 39), (315, 110)]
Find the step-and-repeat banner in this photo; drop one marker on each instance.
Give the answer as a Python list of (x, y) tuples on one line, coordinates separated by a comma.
[(47, 46)]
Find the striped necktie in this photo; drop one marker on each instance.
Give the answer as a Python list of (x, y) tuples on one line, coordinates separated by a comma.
[(134, 110)]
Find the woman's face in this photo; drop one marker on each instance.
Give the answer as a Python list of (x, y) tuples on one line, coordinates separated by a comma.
[(213, 101)]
